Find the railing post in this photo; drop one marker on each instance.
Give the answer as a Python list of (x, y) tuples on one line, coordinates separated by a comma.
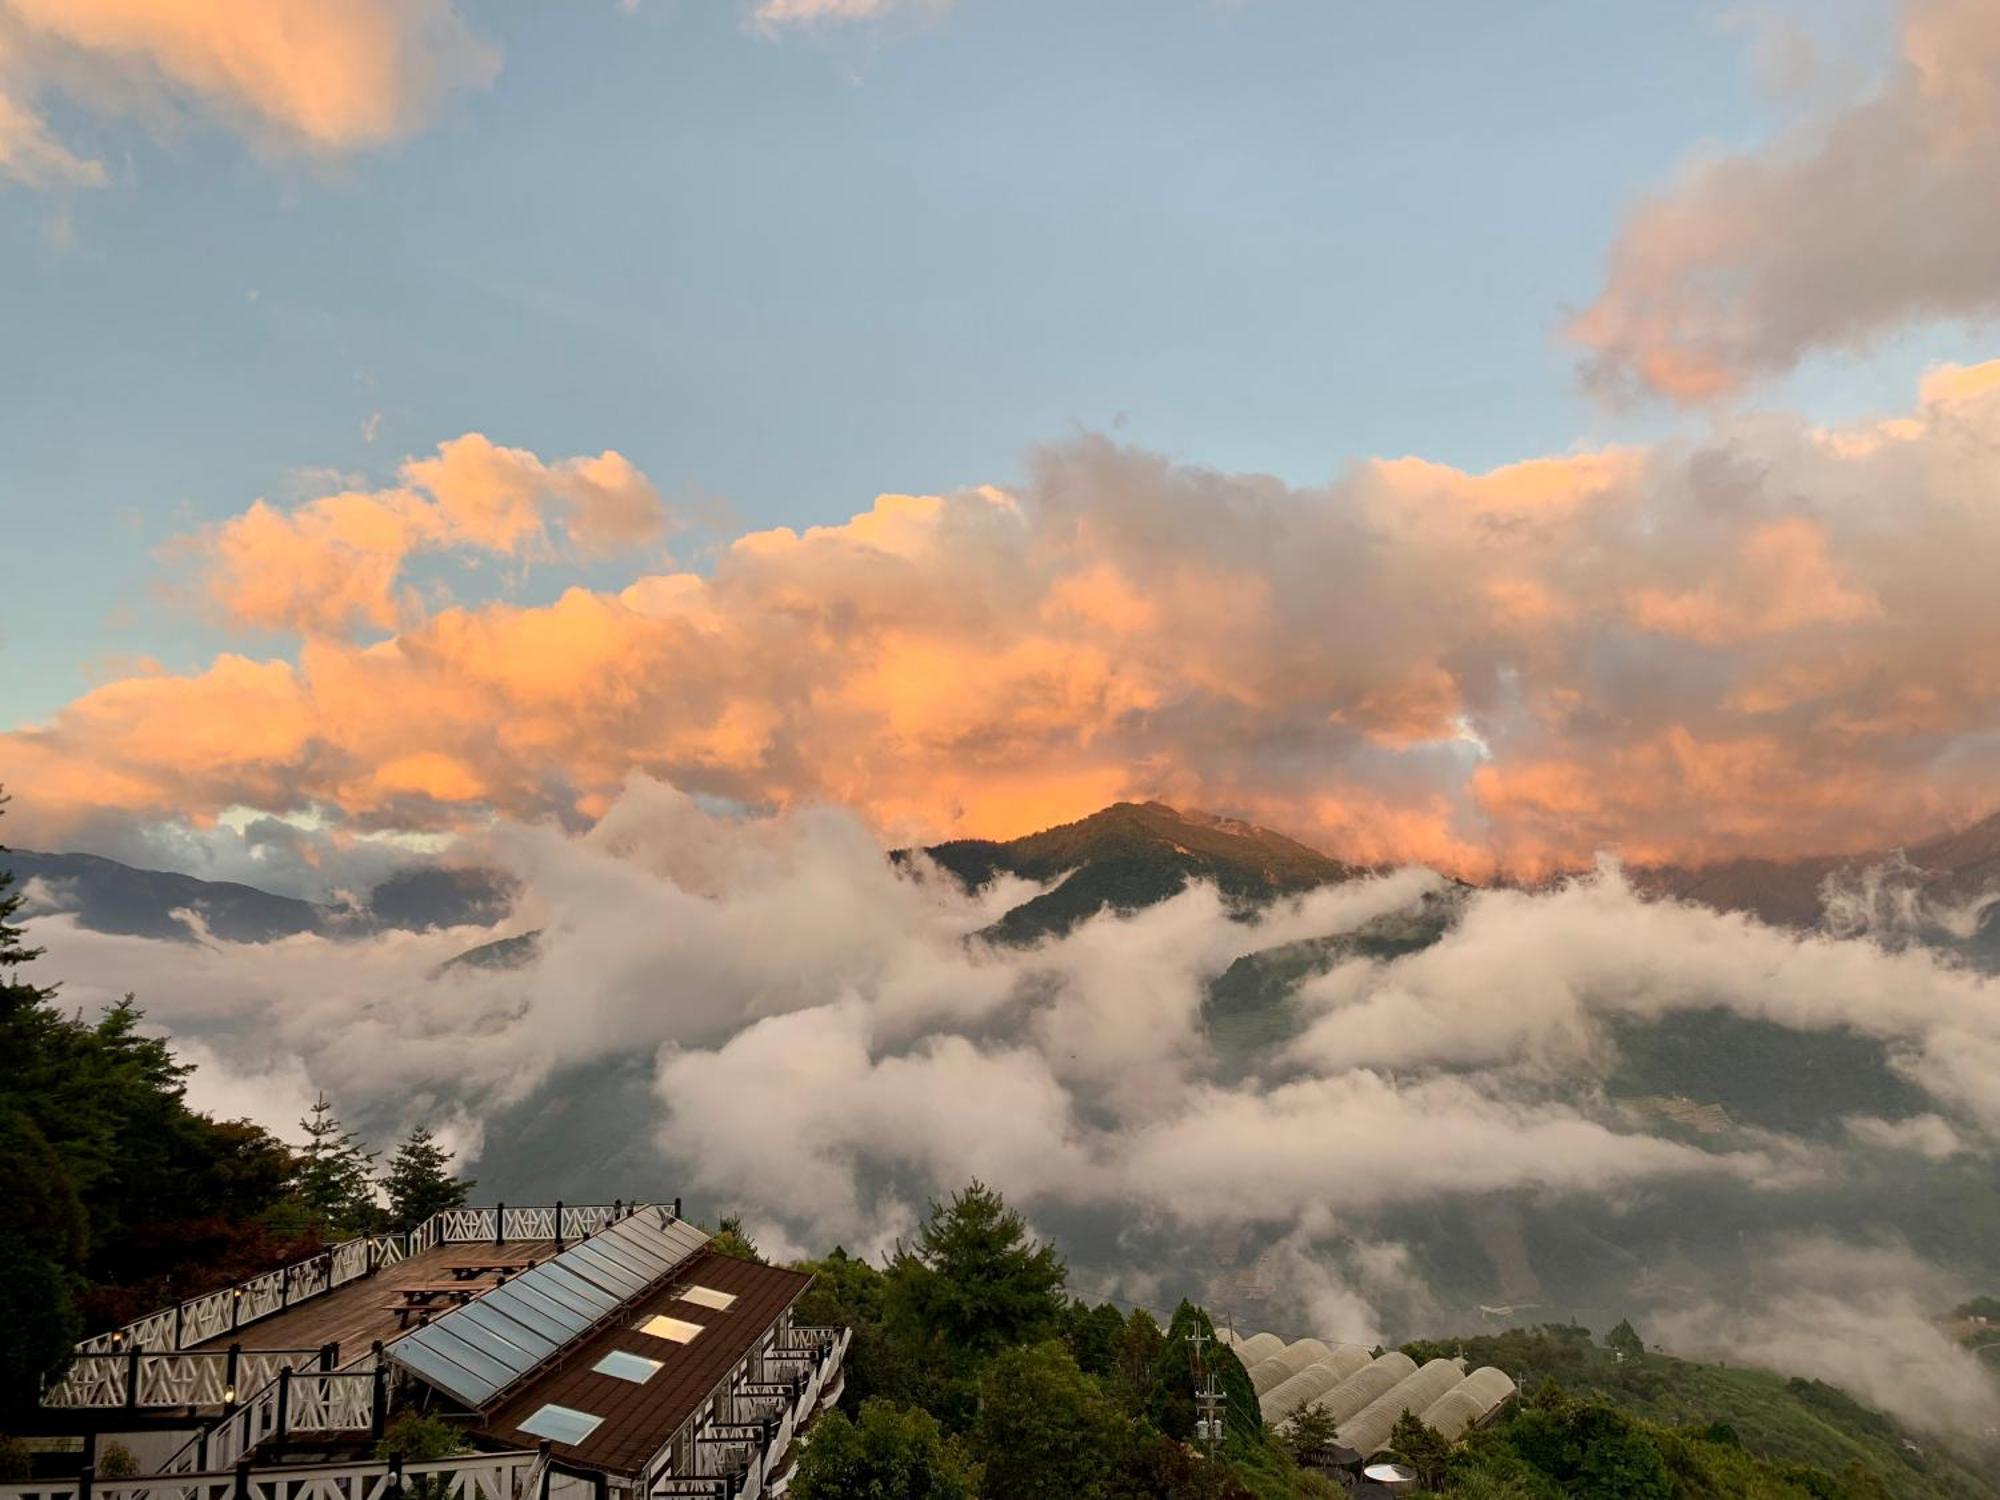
[(284, 1401), (132, 1377), (559, 1226), (236, 1309), (243, 1478), (285, 1287), (180, 1308), (499, 1223), (85, 1479), (396, 1475), (379, 1400), (677, 1206)]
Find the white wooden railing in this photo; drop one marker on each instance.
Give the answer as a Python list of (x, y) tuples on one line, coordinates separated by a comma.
[(100, 1373), (473, 1476), (297, 1403)]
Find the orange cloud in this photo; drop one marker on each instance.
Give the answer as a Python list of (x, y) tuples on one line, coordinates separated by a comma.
[(1752, 261), (328, 75), (1705, 648), (336, 562)]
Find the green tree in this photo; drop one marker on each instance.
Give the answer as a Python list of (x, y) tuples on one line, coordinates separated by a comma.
[(1134, 1353), (729, 1239), (890, 1453), (1424, 1449), (1170, 1406), (1624, 1340), (1311, 1432), (1045, 1428), (333, 1182), (1091, 1332), (419, 1181), (975, 1281)]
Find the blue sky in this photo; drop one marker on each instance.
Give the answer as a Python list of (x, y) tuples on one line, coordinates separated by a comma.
[(789, 273)]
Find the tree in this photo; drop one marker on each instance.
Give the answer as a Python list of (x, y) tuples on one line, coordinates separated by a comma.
[(1624, 1340), (18, 998), (1424, 1449), (1312, 1432), (729, 1239), (1134, 1352), (1170, 1406), (1045, 1428), (419, 1181), (891, 1453), (333, 1181), (1091, 1332), (975, 1282)]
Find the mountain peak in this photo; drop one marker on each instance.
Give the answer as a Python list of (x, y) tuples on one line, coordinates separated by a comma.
[(1132, 854)]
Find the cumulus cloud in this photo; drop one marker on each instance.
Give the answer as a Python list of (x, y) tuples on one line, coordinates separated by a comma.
[(1772, 640), (317, 75), (1847, 227), (338, 561)]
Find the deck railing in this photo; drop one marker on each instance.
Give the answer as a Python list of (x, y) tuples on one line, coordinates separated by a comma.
[(472, 1476), (94, 1378)]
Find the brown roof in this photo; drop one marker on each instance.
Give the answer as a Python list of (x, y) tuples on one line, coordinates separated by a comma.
[(639, 1419)]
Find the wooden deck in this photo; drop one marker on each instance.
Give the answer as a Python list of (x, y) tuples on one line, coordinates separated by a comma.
[(357, 1314)]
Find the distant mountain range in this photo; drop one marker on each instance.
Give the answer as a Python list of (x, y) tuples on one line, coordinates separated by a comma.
[(106, 896)]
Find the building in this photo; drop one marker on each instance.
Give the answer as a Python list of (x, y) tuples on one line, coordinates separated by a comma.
[(607, 1347)]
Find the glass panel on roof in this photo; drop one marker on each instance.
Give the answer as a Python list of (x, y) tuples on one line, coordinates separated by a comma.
[(563, 1303), (531, 1346), (606, 1272), (561, 1424), (495, 1365), (633, 1367), (708, 1296), (662, 1327), (574, 1287), (532, 1312), (435, 1369), (623, 1255)]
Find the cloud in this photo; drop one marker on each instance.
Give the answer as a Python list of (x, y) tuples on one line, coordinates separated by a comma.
[(1860, 1317), (1709, 648), (773, 16), (825, 1042), (312, 75), (1841, 231), (337, 561)]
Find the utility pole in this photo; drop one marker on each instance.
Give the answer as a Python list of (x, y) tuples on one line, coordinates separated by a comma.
[(1208, 1400)]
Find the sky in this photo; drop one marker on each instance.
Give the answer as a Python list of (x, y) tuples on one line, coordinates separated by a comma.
[(1484, 435)]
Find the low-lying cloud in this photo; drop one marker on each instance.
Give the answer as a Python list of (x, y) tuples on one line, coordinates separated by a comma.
[(831, 1042)]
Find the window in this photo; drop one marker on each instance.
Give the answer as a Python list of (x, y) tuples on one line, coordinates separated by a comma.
[(561, 1424), (633, 1367), (703, 1296), (663, 1327)]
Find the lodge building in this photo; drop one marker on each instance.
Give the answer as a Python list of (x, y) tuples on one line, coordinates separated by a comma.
[(604, 1348)]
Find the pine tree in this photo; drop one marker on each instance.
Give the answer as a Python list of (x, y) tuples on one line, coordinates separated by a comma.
[(333, 1181), (420, 1182), (19, 1001)]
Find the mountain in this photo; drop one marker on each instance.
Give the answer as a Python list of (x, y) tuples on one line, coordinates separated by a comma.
[(1131, 855), (1943, 891), (106, 896)]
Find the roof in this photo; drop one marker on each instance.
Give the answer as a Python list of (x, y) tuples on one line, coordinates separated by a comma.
[(639, 1419)]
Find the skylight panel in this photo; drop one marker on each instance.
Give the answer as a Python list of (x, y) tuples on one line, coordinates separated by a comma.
[(633, 1367), (708, 1296), (662, 1327), (562, 1424)]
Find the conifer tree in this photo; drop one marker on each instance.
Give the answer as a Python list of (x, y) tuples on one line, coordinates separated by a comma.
[(19, 1001), (420, 1181), (333, 1181)]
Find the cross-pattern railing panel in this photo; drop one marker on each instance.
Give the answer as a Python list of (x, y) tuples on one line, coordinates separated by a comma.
[(474, 1476), (210, 1316)]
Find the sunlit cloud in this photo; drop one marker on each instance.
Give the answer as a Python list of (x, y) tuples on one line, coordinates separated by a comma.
[(313, 75), (1846, 228)]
